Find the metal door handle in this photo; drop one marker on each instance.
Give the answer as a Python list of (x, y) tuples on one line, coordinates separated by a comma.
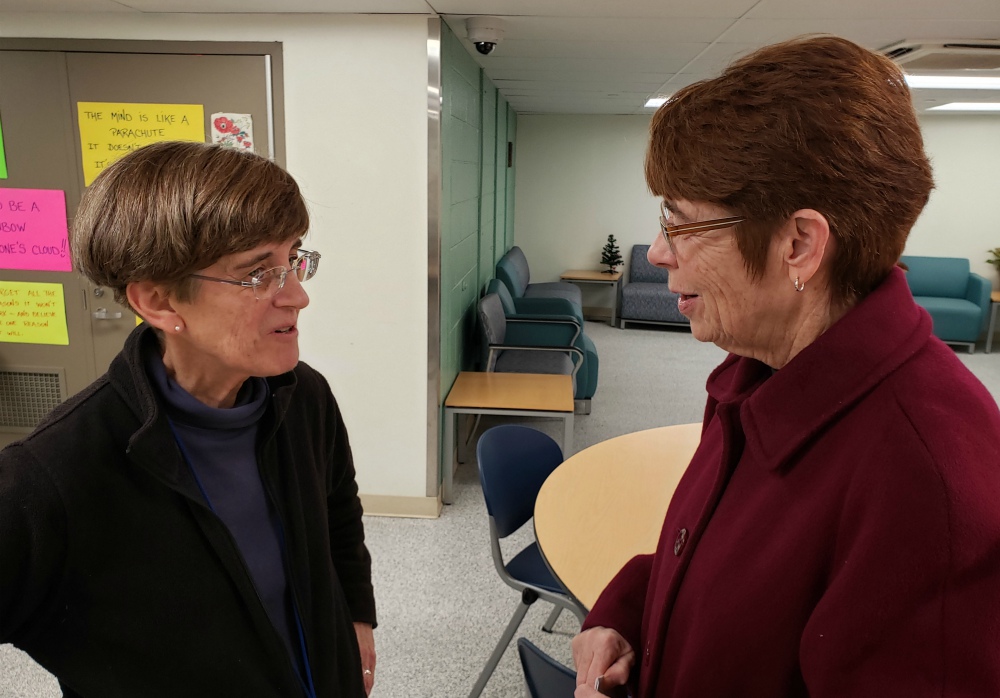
[(103, 314)]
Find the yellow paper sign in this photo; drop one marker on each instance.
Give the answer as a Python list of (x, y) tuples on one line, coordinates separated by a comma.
[(32, 313), (109, 130)]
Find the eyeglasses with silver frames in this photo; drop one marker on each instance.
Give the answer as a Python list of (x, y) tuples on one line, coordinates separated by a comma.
[(670, 231), (267, 283)]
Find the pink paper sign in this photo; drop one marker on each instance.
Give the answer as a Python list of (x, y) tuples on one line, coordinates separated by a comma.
[(33, 230)]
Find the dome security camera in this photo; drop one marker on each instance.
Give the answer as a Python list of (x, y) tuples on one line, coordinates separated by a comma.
[(484, 32)]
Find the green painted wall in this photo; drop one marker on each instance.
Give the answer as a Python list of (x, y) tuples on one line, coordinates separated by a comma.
[(487, 198), (477, 199), (512, 138)]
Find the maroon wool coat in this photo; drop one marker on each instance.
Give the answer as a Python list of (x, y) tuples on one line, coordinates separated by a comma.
[(837, 532)]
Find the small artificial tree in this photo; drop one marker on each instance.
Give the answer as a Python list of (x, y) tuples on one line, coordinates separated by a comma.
[(611, 255)]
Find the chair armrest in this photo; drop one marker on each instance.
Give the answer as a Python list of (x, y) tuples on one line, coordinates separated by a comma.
[(542, 332), (978, 291), (548, 306), (514, 347), (532, 317)]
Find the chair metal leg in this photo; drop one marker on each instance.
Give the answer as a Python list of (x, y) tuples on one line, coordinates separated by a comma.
[(472, 431), (528, 597), (463, 442), (550, 623)]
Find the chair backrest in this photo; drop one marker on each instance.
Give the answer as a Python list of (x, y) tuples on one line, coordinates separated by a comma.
[(545, 677), (514, 461), (494, 324), (506, 300), (943, 277), (512, 269), (640, 270)]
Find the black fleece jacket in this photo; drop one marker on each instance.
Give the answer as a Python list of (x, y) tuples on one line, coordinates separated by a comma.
[(117, 578)]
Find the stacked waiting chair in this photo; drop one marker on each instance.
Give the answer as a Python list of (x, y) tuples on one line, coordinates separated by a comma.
[(514, 461)]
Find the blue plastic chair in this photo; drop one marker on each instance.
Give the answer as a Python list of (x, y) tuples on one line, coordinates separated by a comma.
[(544, 676), (514, 461)]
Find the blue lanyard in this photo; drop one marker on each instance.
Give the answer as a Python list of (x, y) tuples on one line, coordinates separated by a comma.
[(307, 685)]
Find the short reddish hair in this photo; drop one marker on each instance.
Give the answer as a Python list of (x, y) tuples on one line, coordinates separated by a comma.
[(816, 122)]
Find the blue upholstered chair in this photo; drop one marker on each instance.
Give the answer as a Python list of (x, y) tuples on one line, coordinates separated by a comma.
[(646, 296), (957, 299), (544, 676), (514, 461), (513, 270), (541, 322)]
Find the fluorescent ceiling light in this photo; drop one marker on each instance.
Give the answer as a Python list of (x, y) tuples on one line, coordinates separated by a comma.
[(953, 82), (654, 102), (968, 106)]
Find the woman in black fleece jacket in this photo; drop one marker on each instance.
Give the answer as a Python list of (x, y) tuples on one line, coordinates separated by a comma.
[(189, 524)]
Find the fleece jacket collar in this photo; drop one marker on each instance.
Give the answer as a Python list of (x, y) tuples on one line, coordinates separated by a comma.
[(127, 375)]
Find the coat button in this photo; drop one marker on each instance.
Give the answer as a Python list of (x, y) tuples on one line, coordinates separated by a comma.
[(682, 536), (646, 660)]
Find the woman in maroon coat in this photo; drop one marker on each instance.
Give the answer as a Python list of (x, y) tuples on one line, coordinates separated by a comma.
[(838, 530)]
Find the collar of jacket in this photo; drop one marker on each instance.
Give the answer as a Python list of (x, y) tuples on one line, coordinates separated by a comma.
[(146, 445), (781, 414)]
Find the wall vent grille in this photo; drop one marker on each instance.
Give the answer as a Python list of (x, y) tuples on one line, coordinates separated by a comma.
[(28, 395)]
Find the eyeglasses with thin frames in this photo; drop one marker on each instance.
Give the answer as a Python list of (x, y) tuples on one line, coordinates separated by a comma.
[(671, 231), (267, 283)]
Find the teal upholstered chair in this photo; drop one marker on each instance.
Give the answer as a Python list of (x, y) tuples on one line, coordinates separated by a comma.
[(513, 270), (957, 299), (543, 321), (508, 349)]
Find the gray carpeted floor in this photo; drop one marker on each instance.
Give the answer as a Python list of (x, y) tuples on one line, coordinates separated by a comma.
[(441, 605)]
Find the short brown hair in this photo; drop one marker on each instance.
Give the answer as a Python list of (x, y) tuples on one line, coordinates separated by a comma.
[(169, 209), (816, 122)]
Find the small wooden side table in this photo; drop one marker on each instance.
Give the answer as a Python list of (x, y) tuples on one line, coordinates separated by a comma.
[(516, 394), (585, 276), (995, 298)]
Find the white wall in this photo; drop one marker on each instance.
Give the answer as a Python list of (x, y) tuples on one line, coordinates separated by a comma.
[(356, 138), (962, 218), (581, 177)]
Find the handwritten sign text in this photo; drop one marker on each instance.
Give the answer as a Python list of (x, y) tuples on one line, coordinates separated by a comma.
[(33, 232), (109, 130), (32, 313)]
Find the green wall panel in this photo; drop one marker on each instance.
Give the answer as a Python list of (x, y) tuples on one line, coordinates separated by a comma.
[(487, 215), (461, 124), (500, 180), (511, 138), (477, 213)]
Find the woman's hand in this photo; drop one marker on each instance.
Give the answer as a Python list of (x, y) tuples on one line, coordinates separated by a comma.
[(601, 652), (366, 643)]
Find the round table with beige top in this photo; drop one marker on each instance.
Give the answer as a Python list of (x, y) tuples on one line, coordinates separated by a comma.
[(606, 504)]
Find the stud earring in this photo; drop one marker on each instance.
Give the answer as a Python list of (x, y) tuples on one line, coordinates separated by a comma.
[(798, 286), (177, 328)]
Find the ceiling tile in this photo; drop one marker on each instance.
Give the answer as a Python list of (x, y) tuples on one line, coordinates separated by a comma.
[(889, 10), (63, 6), (595, 8), (283, 6)]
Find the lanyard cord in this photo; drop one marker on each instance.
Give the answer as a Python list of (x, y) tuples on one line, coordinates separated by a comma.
[(307, 684)]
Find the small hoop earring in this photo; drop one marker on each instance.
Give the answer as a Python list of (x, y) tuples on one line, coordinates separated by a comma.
[(177, 328), (798, 286)]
